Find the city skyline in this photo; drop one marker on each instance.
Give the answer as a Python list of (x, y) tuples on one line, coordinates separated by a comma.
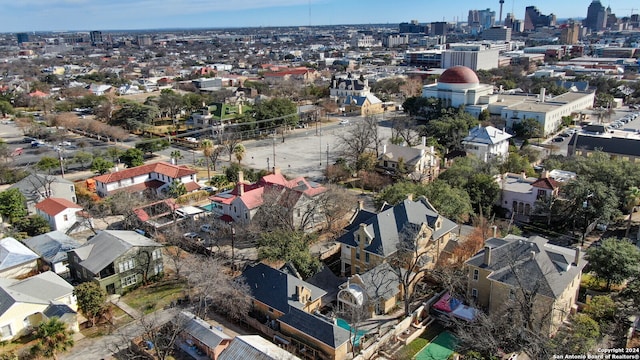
[(85, 15)]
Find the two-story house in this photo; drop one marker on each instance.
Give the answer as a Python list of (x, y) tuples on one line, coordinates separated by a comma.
[(116, 259), (37, 187), (290, 304), (63, 215), (155, 177), (372, 238), (354, 95), (519, 193), (418, 163), (510, 267), (487, 143), (52, 248)]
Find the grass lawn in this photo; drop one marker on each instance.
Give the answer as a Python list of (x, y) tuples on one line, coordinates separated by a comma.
[(155, 296), (588, 281), (414, 347), (120, 318)]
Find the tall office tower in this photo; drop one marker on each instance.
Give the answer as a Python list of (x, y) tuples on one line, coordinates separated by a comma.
[(144, 40), (500, 18), (509, 20), (413, 27), (481, 18), (533, 18), (596, 18), (22, 37), (96, 37), (438, 28), (570, 34)]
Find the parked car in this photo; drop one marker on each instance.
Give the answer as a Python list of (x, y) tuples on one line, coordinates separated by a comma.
[(64, 143), (344, 122), (558, 139), (191, 236), (28, 140), (207, 228)]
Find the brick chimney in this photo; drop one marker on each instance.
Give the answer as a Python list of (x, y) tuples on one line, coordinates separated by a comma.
[(487, 256), (240, 183), (576, 259)]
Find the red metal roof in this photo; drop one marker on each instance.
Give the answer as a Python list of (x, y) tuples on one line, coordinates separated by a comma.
[(54, 206), (164, 168), (546, 183)]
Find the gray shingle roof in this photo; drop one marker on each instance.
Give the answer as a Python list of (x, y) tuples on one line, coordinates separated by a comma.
[(408, 154), (532, 263), (39, 289), (387, 227), (254, 347), (275, 288), (107, 246), (381, 282), (14, 253), (316, 327), (27, 186), (58, 310), (52, 246), (201, 330)]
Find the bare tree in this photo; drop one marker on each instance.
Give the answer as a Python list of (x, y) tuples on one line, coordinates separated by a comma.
[(405, 131), (229, 144), (215, 154), (361, 137), (335, 204), (152, 334)]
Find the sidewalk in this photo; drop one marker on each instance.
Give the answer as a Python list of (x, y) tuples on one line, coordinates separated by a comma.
[(115, 300)]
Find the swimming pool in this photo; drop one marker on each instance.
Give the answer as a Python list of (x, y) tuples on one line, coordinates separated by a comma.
[(345, 325), (439, 348), (207, 207)]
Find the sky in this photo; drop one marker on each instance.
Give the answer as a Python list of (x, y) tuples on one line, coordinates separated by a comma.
[(66, 15)]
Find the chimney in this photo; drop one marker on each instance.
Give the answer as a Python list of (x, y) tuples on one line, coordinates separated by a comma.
[(432, 149), (276, 171), (543, 93), (410, 197), (533, 254), (545, 174), (495, 230), (360, 204), (576, 259), (424, 141), (523, 175), (384, 148), (487, 255), (240, 184)]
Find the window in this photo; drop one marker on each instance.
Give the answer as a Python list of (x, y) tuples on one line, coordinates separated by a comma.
[(119, 182), (65, 217), (475, 274), (474, 293), (366, 257), (358, 253), (71, 188), (6, 331), (132, 181), (156, 254), (129, 280), (270, 310), (158, 269), (126, 265)]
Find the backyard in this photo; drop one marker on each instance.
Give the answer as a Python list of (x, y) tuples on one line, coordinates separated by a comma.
[(156, 296)]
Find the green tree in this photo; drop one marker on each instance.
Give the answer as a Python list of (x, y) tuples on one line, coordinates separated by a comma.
[(293, 246), (483, 192), (170, 102), (132, 157), (114, 153), (133, 116), (614, 261), (602, 309), (632, 199), (239, 152), (32, 225), (13, 205), (52, 337), (101, 166), (527, 128), (82, 157), (176, 189), (5, 108), (515, 163), (176, 155), (452, 203), (276, 108), (581, 339), (47, 163), (208, 149), (91, 300), (152, 146)]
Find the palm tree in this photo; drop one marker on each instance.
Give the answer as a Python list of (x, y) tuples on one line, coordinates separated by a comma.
[(176, 155), (53, 337), (207, 150), (239, 151), (632, 199)]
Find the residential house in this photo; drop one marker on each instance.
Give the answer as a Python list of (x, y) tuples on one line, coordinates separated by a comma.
[(16, 260), (52, 247), (155, 177), (241, 204), (37, 187), (300, 75), (63, 215), (372, 238), (519, 193), (354, 95), (255, 347), (378, 290), (487, 143), (418, 163), (506, 268), (116, 259), (25, 304), (290, 304), (197, 334), (363, 105)]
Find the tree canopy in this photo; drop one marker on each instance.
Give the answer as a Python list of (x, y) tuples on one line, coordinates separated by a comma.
[(614, 260), (13, 204)]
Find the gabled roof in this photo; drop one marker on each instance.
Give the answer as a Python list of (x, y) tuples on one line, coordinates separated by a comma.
[(320, 329), (201, 330), (14, 253), (486, 135), (410, 155), (532, 263), (52, 246), (33, 186), (107, 246), (164, 168), (275, 288), (54, 206), (254, 347), (387, 227), (38, 289), (381, 282), (546, 183)]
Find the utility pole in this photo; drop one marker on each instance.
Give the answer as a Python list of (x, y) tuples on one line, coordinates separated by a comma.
[(274, 152)]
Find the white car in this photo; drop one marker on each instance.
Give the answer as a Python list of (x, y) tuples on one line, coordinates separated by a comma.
[(191, 236), (64, 143), (344, 122), (206, 228)]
